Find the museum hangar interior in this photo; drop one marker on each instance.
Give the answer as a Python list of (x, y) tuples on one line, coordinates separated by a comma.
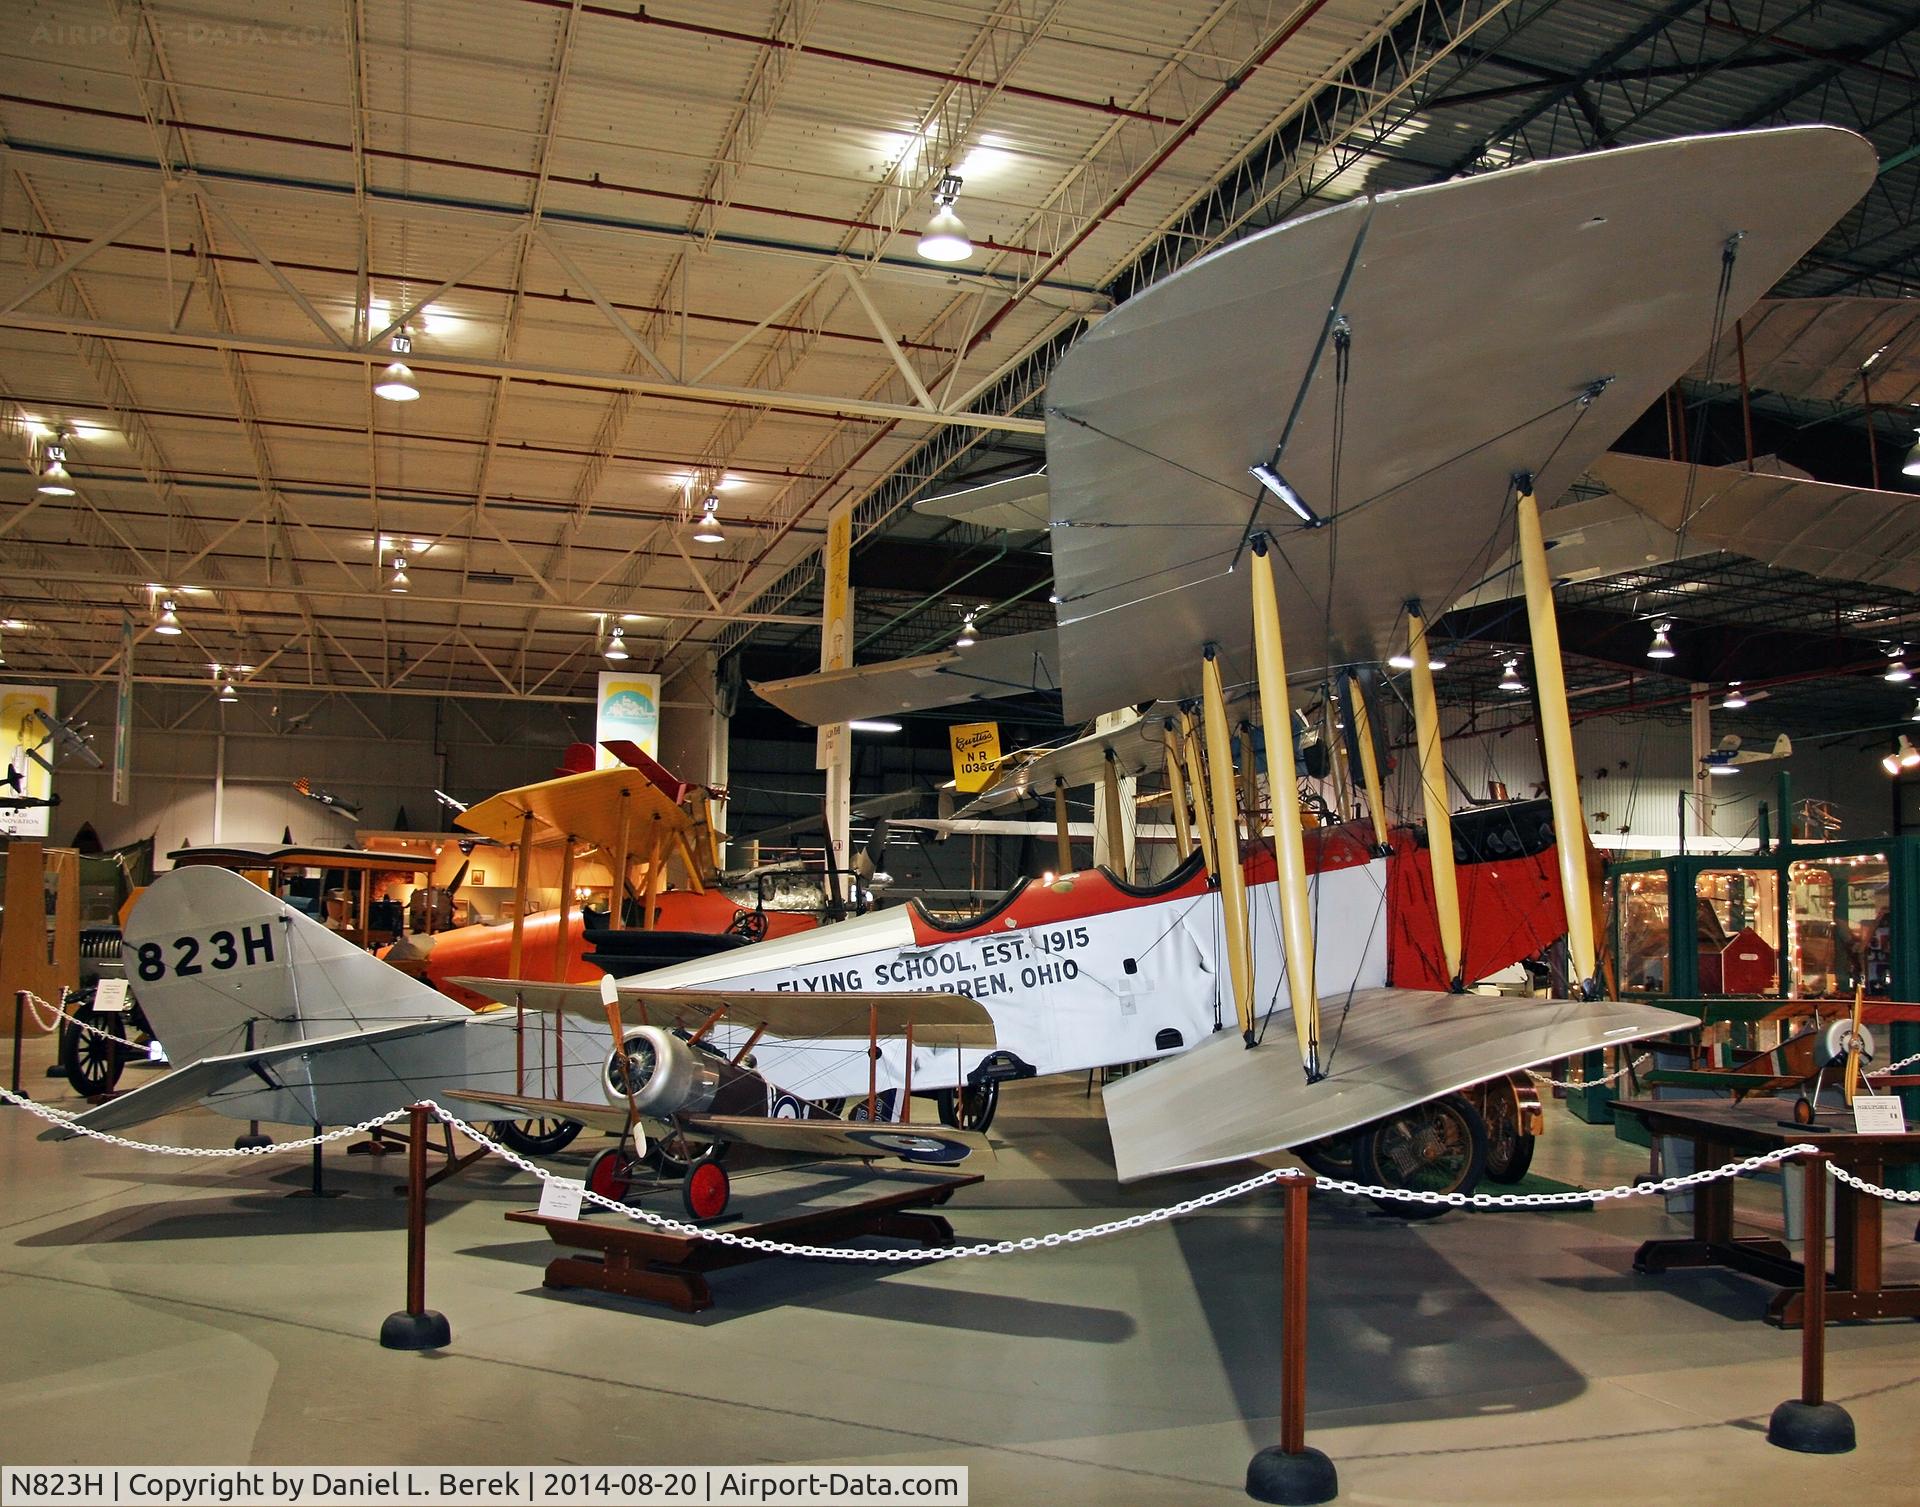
[(398, 393)]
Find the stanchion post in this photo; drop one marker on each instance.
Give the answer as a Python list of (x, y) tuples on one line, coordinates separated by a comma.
[(1290, 1472), (19, 1025), (416, 1327), (1809, 1424)]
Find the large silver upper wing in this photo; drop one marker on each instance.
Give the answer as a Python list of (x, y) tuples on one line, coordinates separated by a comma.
[(994, 667), (1478, 313)]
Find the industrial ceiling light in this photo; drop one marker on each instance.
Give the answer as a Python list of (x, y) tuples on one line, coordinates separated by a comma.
[(1405, 662), (1734, 699), (1662, 646), (228, 696), (1280, 487), (617, 645), (1909, 755), (400, 581), (1914, 716), (966, 640), (945, 238), (708, 530), (168, 623), (1510, 680), (1911, 466), (1897, 672), (54, 481), (396, 382)]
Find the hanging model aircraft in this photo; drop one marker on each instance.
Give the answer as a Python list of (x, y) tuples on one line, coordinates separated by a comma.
[(1348, 419), (327, 798), (1729, 757)]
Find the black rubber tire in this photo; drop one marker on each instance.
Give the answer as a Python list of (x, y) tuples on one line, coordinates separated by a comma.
[(537, 1137), (1509, 1148), (93, 1065), (975, 1110), (1439, 1147), (1803, 1111), (1330, 1157), (671, 1154)]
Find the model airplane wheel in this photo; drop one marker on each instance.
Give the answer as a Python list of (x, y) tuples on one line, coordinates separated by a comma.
[(93, 1063), (1803, 1111), (975, 1109), (1436, 1147), (1509, 1148), (1332, 1157), (706, 1189), (674, 1151), (538, 1137), (610, 1174)]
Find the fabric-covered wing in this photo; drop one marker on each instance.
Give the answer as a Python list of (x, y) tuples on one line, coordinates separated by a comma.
[(1842, 533), (938, 1019), (917, 1143), (1480, 311), (1138, 748), (992, 668), (585, 807), (1815, 348), (1396, 1048), (612, 1118), (1019, 502)]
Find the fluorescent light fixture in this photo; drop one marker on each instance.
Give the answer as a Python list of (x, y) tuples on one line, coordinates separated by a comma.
[(708, 530), (616, 645), (1510, 680), (168, 623), (873, 725), (1278, 485), (1723, 769), (945, 239), (1662, 646), (1405, 662), (1733, 700)]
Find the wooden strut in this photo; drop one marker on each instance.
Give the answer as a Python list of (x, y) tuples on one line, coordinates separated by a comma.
[(1276, 718), (1116, 833), (1250, 780), (560, 961), (617, 896), (1226, 836), (1369, 763), (1062, 833), (522, 866), (1433, 793), (1197, 783), (1177, 790), (1556, 740)]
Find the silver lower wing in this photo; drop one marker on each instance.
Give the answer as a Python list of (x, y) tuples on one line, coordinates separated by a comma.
[(1397, 1047)]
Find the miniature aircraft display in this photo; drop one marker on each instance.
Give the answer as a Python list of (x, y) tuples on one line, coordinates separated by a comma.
[(68, 740), (15, 797), (314, 793)]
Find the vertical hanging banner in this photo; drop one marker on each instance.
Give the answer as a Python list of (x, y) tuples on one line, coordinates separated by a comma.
[(630, 709), (833, 750), (28, 749), (123, 717), (976, 754)]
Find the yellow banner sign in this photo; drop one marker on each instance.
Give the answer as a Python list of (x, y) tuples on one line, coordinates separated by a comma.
[(976, 754)]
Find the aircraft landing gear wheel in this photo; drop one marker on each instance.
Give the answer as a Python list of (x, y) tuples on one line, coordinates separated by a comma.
[(1509, 1148), (611, 1173), (92, 1062), (1436, 1147), (706, 1190), (538, 1137), (976, 1107), (672, 1153), (1331, 1157), (1803, 1110)]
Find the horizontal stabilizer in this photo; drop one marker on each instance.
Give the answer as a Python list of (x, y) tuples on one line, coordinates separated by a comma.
[(937, 1019), (189, 1084), (1393, 1049)]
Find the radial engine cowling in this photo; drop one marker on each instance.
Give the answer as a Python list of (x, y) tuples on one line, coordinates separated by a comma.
[(669, 1076)]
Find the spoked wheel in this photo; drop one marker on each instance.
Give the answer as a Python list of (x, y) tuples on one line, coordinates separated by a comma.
[(1509, 1148), (706, 1190), (611, 1174), (93, 1062), (1436, 1147), (673, 1151), (1331, 1157), (975, 1107), (538, 1137)]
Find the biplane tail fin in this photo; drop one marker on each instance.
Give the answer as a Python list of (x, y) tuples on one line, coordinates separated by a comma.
[(222, 967)]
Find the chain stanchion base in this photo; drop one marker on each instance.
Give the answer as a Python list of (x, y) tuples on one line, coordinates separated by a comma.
[(1811, 1428), (425, 1330), (1295, 1480), (252, 1141)]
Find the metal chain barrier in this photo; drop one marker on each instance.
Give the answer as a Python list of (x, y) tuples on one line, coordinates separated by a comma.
[(1893, 1067), (999, 1247), (49, 1017), (1614, 1077)]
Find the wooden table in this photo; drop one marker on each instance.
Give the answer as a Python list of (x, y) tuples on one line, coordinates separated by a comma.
[(802, 1206), (1722, 1131)]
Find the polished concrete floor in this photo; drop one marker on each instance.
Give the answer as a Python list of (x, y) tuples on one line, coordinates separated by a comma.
[(186, 1310)]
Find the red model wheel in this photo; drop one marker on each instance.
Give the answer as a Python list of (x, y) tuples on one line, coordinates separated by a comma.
[(610, 1174), (706, 1190)]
